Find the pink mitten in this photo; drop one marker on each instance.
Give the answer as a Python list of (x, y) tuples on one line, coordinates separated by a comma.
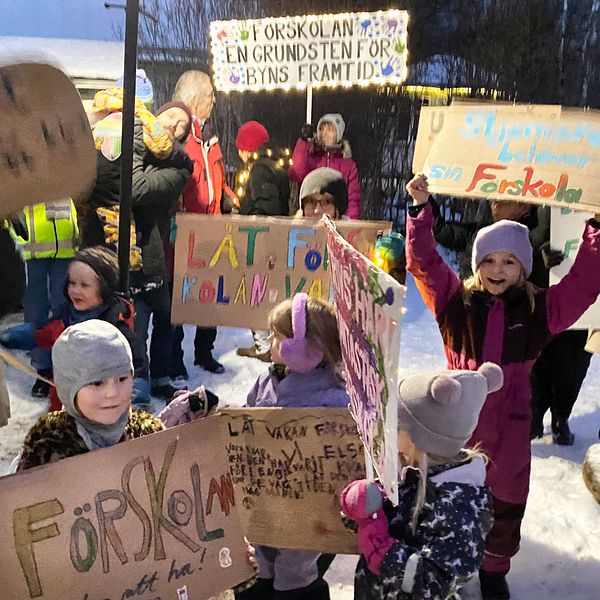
[(187, 406), (362, 502)]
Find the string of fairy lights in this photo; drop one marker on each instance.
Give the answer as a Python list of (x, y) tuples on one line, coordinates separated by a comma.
[(283, 162)]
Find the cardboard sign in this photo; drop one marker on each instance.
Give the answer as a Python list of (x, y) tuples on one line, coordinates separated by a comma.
[(46, 147), (566, 230), (316, 50), (150, 518), (234, 270), (369, 305), (537, 154), (288, 466)]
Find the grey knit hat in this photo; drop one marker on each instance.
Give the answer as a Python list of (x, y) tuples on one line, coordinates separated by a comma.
[(503, 236), (326, 180), (89, 351), (439, 411), (337, 121)]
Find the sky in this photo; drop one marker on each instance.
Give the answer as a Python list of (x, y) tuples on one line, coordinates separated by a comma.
[(83, 19)]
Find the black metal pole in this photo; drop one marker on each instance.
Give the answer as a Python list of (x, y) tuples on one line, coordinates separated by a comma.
[(129, 68)]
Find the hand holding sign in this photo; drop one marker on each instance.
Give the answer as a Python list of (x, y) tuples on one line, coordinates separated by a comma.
[(418, 188), (46, 146)]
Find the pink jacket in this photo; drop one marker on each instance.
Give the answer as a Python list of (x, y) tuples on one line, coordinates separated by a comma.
[(477, 327), (307, 158)]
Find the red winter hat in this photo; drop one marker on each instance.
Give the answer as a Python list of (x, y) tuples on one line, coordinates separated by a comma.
[(251, 136)]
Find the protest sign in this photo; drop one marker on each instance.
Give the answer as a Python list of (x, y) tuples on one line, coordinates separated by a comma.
[(566, 230), (288, 466), (537, 154), (154, 517), (46, 147), (310, 50), (233, 270), (369, 306)]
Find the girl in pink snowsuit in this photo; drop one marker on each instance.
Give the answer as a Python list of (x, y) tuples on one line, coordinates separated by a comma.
[(327, 149), (498, 316)]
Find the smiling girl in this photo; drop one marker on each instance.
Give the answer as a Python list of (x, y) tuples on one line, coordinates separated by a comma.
[(498, 316)]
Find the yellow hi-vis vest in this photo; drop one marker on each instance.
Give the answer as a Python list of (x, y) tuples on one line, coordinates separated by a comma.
[(53, 230)]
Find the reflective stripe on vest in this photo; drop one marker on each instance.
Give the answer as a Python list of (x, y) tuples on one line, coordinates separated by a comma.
[(52, 230)]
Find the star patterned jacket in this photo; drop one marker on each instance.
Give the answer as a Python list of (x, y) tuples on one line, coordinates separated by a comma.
[(447, 546)]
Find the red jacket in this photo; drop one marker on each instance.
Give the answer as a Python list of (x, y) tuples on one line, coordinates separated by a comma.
[(307, 157), (205, 187)]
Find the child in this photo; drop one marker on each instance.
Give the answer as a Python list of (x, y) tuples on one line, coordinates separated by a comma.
[(306, 354), (93, 374), (433, 541), (323, 192), (90, 292), (327, 149), (266, 191), (498, 316)]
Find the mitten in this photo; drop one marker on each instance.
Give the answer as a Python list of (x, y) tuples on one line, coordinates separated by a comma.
[(362, 502), (307, 133), (186, 406), (47, 335), (19, 337), (552, 258)]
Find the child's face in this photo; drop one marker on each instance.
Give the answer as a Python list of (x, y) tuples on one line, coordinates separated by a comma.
[(83, 286), (327, 134), (499, 271), (106, 400), (317, 205), (275, 340), (174, 121)]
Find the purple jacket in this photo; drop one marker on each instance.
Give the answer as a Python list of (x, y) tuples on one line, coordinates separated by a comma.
[(319, 387), (478, 327), (308, 157)]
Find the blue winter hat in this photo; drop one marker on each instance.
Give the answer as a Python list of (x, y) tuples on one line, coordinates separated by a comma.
[(143, 86), (503, 236)]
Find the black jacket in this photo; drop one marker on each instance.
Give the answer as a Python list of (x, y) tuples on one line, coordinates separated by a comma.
[(267, 190), (156, 185)]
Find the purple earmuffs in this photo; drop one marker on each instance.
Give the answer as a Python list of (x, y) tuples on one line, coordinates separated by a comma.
[(297, 353)]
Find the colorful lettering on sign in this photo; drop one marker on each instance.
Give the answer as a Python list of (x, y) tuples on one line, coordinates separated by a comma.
[(528, 187)]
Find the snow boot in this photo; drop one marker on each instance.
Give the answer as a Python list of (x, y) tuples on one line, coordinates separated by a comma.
[(261, 590), (317, 590), (493, 586), (561, 433)]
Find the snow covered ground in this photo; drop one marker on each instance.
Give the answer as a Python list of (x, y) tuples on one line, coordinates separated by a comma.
[(560, 551)]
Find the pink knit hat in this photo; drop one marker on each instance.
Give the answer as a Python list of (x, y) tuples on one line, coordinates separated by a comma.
[(503, 236)]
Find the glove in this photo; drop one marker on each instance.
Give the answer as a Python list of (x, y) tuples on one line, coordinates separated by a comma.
[(186, 406), (19, 337), (47, 335), (552, 258), (362, 502), (307, 133)]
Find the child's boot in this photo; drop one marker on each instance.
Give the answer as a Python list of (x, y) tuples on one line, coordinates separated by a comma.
[(493, 586), (317, 590)]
